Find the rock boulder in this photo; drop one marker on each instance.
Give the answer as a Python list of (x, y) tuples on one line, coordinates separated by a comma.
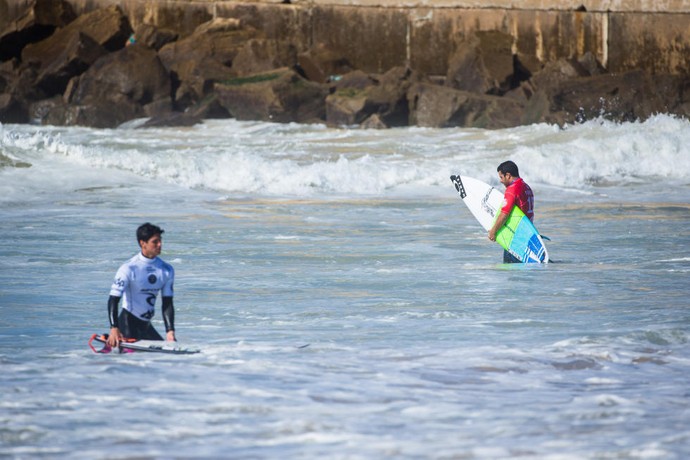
[(64, 55), (124, 85), (322, 65), (442, 107), (358, 96), (12, 110), (38, 22), (154, 37), (483, 64), (203, 58), (261, 55), (625, 97), (281, 95)]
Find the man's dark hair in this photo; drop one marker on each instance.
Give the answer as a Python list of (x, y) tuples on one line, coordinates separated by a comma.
[(508, 167), (146, 231)]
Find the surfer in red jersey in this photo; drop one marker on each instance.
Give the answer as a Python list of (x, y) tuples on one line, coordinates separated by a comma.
[(517, 193)]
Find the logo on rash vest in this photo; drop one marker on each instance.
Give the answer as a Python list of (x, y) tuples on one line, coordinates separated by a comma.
[(151, 300), (152, 279)]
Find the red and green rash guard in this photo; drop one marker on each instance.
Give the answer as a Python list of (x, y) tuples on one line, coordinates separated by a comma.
[(519, 194)]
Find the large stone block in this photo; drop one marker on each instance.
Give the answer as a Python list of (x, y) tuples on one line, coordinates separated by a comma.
[(62, 56), (37, 22), (275, 21), (120, 87), (656, 43), (371, 40), (442, 107), (205, 57), (281, 96), (622, 97)]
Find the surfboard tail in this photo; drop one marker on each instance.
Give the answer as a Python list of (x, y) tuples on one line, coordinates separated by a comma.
[(520, 237), (103, 339), (100, 338)]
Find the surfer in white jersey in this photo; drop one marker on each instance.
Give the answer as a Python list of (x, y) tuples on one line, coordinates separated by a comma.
[(138, 282)]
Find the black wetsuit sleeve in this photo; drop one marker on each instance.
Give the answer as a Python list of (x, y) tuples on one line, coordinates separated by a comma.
[(113, 303), (168, 314)]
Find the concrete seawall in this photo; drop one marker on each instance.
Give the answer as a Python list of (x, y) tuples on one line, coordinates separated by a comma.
[(376, 35)]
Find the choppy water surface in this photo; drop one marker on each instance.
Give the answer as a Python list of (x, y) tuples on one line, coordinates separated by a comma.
[(421, 343)]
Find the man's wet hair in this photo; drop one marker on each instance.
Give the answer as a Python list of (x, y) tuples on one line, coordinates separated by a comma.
[(508, 167), (146, 231)]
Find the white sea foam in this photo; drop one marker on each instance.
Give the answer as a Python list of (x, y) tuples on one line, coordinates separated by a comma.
[(293, 160)]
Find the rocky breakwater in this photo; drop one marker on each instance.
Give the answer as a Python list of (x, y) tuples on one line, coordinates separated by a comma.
[(96, 70)]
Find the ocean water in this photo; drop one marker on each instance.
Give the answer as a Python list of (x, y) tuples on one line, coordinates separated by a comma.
[(421, 343)]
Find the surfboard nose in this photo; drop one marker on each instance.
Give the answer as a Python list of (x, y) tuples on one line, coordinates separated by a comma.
[(458, 185)]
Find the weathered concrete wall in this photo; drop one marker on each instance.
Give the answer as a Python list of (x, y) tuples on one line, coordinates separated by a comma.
[(376, 35)]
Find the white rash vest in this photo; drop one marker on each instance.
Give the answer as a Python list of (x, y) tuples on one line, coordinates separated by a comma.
[(139, 280)]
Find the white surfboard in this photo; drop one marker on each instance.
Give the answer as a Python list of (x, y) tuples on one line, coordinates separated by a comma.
[(483, 200), (518, 236), (159, 346), (152, 346)]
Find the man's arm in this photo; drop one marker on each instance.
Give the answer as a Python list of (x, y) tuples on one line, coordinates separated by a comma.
[(169, 318), (115, 336), (500, 222), (508, 203)]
